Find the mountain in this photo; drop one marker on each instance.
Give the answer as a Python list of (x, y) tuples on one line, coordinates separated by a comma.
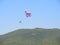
[(37, 36)]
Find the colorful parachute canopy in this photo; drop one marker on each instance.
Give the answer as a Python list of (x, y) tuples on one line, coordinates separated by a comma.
[(28, 13)]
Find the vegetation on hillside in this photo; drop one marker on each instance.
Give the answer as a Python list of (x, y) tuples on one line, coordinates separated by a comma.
[(37, 36)]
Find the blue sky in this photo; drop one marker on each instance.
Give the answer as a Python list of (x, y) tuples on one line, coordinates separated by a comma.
[(45, 14)]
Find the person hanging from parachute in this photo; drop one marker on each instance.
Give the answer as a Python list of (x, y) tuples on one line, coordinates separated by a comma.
[(20, 21), (28, 13)]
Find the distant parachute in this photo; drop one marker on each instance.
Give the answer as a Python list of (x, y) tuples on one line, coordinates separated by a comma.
[(27, 12)]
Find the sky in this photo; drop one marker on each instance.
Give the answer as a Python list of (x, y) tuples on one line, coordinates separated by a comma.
[(45, 14)]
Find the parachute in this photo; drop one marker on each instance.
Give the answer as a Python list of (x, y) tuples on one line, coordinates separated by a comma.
[(27, 12)]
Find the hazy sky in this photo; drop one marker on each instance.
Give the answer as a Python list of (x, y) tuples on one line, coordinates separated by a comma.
[(45, 14)]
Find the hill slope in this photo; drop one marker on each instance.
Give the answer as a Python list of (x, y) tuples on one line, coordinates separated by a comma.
[(36, 36)]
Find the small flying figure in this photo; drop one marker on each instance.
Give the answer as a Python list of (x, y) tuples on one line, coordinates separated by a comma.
[(20, 21)]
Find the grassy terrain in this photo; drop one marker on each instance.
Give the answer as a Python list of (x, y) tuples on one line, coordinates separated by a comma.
[(37, 36)]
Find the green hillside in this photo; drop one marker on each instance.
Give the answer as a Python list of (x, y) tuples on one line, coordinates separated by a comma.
[(37, 36)]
